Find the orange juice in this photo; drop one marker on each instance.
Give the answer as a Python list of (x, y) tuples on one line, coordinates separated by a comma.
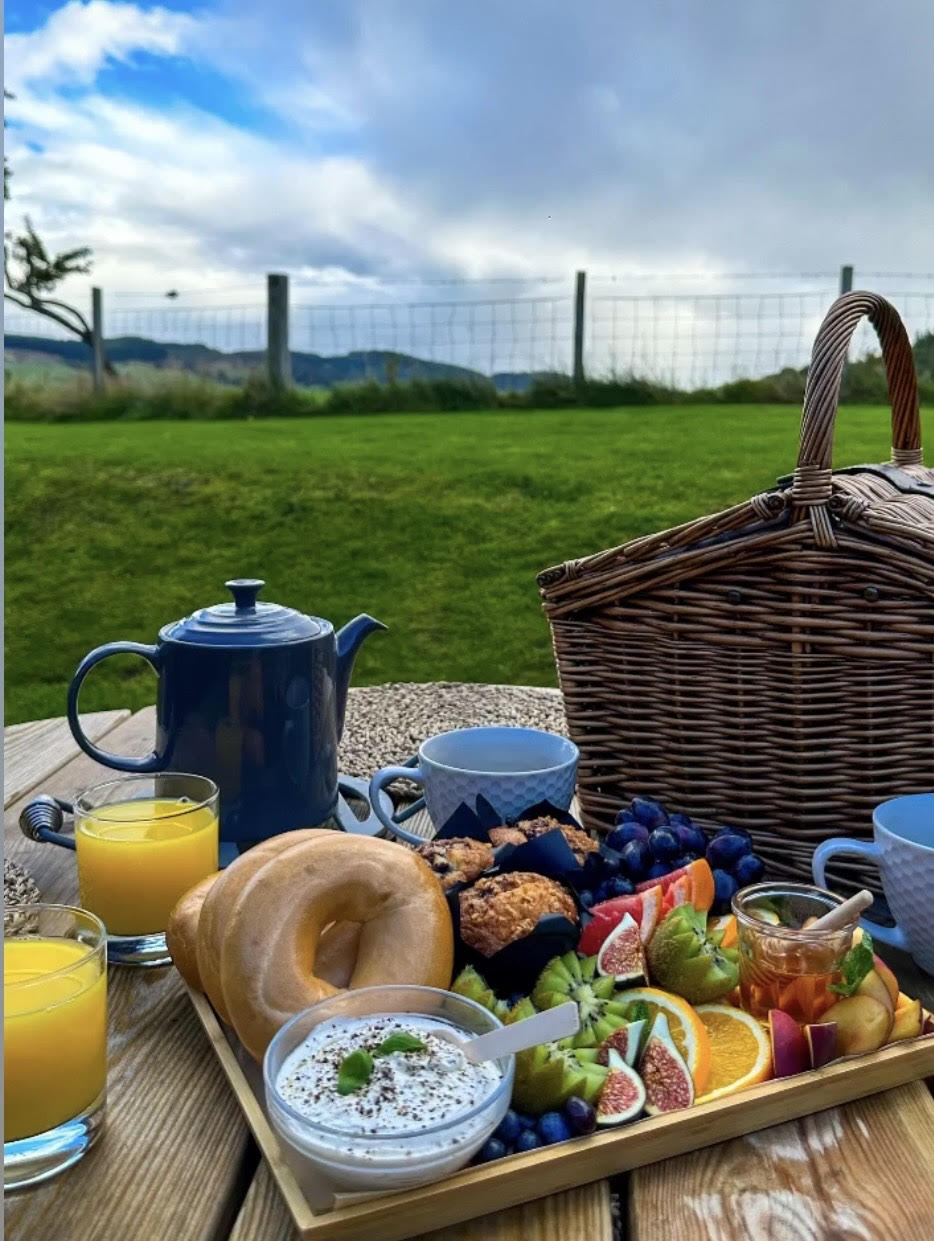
[(136, 858), (54, 1033)]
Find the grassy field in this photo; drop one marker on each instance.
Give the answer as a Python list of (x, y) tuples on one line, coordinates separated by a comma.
[(435, 523)]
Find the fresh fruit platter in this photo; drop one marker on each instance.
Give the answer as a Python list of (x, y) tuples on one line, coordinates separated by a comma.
[(708, 1004)]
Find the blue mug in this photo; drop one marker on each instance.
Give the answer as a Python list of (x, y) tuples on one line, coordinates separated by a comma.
[(513, 768), (903, 849)]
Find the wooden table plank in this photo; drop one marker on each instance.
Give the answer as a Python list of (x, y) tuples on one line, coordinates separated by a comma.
[(175, 1158), (864, 1170), (33, 751), (577, 1215)]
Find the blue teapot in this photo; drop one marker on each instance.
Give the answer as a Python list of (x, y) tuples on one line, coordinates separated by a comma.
[(252, 695)]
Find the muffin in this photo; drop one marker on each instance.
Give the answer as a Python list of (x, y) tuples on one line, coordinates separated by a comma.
[(457, 860), (503, 908), (580, 842)]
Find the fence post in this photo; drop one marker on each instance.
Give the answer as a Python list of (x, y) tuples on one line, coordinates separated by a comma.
[(846, 278), (97, 338), (579, 329), (278, 358)]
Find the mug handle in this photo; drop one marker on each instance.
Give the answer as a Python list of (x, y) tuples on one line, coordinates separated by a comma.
[(119, 762), (389, 821), (894, 936)]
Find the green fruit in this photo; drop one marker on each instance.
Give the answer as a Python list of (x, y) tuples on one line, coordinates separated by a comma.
[(682, 959), (548, 1075), (471, 986), (572, 978)]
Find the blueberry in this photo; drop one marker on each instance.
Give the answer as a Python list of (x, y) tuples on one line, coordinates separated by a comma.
[(724, 885), (516, 998), (657, 869), (585, 898), (625, 816), (726, 849), (553, 1127), (602, 893), (635, 858), (621, 886), (526, 1121), (664, 845), (581, 1116), (650, 813), (509, 1127), (621, 836), (691, 839), (491, 1149), (528, 1140), (684, 860), (749, 869)]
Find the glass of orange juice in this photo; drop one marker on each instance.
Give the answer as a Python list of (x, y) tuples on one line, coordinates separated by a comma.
[(142, 841), (54, 1039)]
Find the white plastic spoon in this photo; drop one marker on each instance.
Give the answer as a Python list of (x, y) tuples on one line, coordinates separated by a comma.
[(553, 1023)]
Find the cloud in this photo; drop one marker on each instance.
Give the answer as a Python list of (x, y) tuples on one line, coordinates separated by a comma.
[(486, 139)]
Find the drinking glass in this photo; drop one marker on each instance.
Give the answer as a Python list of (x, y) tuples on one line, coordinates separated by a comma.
[(782, 963), (143, 841), (54, 1039)]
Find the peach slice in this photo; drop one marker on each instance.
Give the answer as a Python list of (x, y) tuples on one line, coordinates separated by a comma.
[(887, 977), (907, 1022), (874, 985), (790, 1052), (863, 1024)]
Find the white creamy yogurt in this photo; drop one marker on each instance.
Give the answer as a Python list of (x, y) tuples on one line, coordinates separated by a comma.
[(420, 1116)]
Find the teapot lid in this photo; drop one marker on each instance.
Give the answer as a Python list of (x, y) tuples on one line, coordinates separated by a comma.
[(245, 622)]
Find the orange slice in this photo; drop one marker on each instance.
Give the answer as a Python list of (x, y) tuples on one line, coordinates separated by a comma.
[(725, 924), (687, 1029), (740, 1054)]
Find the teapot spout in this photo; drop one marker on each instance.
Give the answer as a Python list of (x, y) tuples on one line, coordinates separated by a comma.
[(349, 640)]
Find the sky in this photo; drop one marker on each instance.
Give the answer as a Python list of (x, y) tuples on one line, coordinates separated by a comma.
[(365, 143)]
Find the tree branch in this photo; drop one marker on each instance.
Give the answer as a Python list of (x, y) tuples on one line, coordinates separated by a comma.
[(40, 308)]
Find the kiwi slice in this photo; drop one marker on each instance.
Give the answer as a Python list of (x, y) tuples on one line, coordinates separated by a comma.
[(574, 978)]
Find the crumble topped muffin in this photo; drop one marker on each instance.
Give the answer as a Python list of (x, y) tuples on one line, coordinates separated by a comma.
[(503, 908), (457, 860), (527, 829)]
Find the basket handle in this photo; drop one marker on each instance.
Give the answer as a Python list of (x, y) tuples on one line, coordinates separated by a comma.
[(812, 477)]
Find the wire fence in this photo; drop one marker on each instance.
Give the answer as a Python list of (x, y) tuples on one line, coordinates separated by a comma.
[(686, 330)]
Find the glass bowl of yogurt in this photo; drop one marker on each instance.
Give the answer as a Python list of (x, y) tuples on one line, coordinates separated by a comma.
[(370, 1090)]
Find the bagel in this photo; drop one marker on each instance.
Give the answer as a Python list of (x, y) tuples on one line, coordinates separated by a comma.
[(270, 948), (181, 932), (219, 902)]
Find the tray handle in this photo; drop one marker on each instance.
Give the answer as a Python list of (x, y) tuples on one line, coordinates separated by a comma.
[(812, 477)]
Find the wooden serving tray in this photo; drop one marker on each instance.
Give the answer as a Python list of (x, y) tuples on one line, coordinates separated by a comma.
[(521, 1178)]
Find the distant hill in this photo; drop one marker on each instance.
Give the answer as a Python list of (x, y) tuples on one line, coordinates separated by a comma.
[(310, 370)]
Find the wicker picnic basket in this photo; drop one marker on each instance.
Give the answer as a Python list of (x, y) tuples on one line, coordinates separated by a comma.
[(771, 666)]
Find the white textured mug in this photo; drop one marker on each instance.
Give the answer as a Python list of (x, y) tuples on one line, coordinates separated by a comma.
[(903, 849), (513, 768)]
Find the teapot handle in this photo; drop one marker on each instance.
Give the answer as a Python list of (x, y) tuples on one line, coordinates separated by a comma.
[(119, 762)]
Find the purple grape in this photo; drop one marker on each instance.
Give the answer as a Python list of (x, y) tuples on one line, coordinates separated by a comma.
[(553, 1127), (509, 1127), (657, 869), (609, 864), (581, 1116), (602, 893), (585, 898), (492, 1149), (649, 813), (749, 869), (724, 885), (621, 836), (684, 860), (734, 831), (621, 886), (676, 818), (726, 849), (691, 839), (634, 859), (664, 845), (625, 816), (528, 1140)]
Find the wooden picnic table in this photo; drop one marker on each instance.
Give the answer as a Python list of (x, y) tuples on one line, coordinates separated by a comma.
[(177, 1163)]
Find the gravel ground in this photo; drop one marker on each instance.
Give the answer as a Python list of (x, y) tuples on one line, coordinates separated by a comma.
[(387, 723)]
